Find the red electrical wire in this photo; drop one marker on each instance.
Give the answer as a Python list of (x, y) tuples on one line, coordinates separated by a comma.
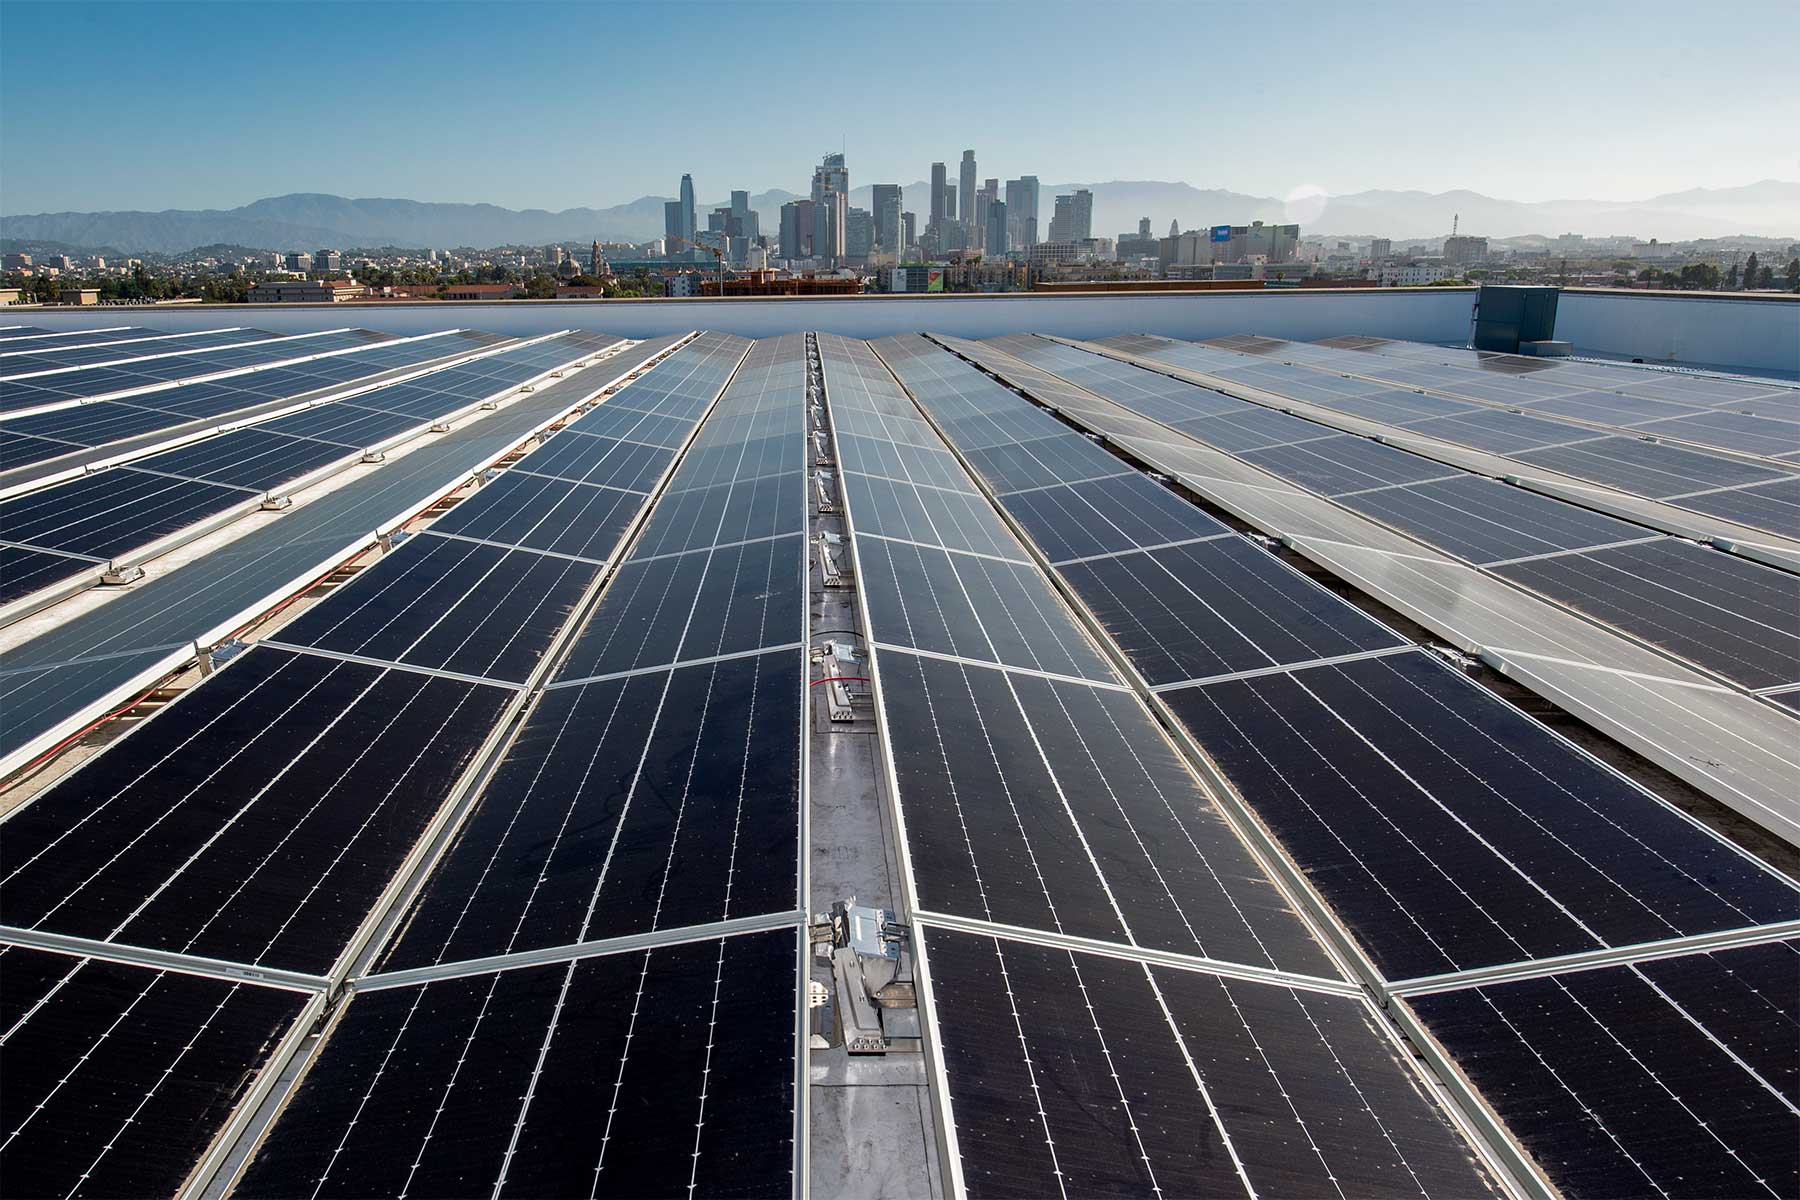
[(840, 679)]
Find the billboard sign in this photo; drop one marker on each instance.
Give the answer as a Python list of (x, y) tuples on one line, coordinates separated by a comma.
[(1221, 233), (934, 281)]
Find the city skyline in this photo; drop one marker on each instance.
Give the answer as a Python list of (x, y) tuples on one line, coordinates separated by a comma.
[(218, 140)]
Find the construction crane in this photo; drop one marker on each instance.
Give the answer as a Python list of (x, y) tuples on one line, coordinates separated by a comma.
[(717, 254)]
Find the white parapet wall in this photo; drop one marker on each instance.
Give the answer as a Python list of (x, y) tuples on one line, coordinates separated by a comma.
[(1756, 333), (1419, 314)]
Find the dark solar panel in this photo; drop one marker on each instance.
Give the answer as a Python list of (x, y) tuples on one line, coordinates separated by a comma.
[(118, 1078), (23, 572), (1772, 506), (668, 1072), (1216, 608), (1486, 521), (1080, 1075), (252, 821), (1345, 463), (1104, 516), (251, 458), (108, 513), (1726, 613), (1450, 831), (451, 605), (1673, 1077)]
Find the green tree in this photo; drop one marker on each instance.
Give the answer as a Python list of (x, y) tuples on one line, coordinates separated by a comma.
[(1793, 272), (1731, 278), (1750, 270)]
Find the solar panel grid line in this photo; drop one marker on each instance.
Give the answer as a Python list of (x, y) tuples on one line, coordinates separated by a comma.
[(1282, 668), (1514, 471), (65, 553), (1138, 953), (676, 665), (13, 332), (158, 666), (1525, 558), (392, 665), (1612, 956), (1088, 558), (177, 962)]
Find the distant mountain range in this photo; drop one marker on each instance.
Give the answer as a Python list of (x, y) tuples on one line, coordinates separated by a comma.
[(309, 221)]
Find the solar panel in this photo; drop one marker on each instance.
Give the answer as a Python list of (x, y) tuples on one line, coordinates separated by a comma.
[(23, 572), (1674, 1076), (146, 630), (1217, 608), (670, 1071), (77, 353), (666, 796), (1500, 432), (20, 450), (319, 776), (1486, 521), (1081, 1075), (1750, 434), (172, 407), (1106, 516), (1057, 806), (1652, 469), (62, 386), (106, 514), (1450, 831), (1772, 506), (452, 605), (117, 1076), (1722, 611), (1345, 463)]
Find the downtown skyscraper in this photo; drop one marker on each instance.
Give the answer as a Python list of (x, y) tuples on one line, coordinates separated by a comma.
[(966, 191)]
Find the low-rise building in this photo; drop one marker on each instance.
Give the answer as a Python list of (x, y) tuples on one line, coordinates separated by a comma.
[(78, 296), (305, 291)]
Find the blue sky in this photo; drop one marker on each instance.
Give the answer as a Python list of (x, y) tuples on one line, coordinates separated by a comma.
[(210, 105)]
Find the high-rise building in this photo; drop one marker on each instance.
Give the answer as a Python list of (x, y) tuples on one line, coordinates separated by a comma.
[(966, 213), (831, 175), (828, 227), (745, 222), (299, 260), (1174, 228), (796, 229), (859, 234), (950, 208), (909, 231), (678, 220), (884, 203), (328, 260), (1463, 250), (978, 224), (996, 229), (597, 262), (1084, 214), (1144, 228), (938, 197), (1022, 210), (687, 206), (1380, 249)]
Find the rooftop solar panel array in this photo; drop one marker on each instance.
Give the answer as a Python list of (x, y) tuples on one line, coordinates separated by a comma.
[(1448, 832), (646, 801), (1591, 421), (180, 410), (1729, 610), (124, 512), (1057, 847), (51, 679), (273, 854), (52, 388), (63, 355)]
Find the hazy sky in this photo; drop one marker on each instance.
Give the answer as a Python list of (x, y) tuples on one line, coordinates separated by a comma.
[(163, 105)]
